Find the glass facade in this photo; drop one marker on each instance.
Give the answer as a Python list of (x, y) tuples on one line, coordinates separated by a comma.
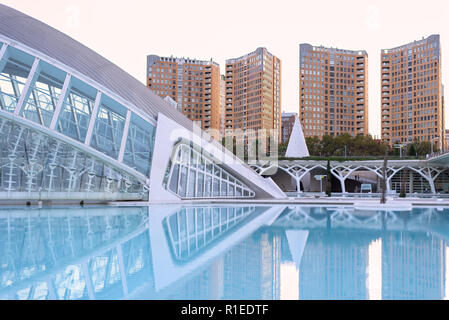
[(43, 95), (76, 110), (193, 175), (15, 67), (34, 163), (54, 100), (109, 126), (139, 145)]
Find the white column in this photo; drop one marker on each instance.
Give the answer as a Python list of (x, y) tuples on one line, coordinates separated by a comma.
[(124, 137), (342, 183), (26, 90), (3, 56), (62, 97), (93, 117)]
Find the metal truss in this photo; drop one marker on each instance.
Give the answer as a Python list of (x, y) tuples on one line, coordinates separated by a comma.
[(35, 166)]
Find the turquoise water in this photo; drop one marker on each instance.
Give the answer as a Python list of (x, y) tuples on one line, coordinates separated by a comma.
[(223, 252)]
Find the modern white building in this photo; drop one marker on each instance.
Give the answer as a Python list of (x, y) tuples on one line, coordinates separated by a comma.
[(74, 126)]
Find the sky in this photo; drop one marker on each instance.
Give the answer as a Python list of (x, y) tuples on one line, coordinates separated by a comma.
[(125, 32)]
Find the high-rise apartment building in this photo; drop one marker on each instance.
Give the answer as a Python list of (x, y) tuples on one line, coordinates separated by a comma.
[(333, 91), (193, 84), (412, 95), (253, 93), (222, 104), (288, 120)]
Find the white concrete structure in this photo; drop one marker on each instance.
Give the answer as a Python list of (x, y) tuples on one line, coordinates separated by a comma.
[(297, 147), (74, 126), (419, 176)]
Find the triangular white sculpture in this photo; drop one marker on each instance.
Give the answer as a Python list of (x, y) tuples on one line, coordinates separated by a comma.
[(297, 147)]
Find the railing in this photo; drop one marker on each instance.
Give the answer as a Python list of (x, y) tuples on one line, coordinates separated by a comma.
[(393, 194)]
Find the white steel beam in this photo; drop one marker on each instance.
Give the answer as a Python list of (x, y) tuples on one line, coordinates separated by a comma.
[(62, 97), (125, 136), (3, 56), (26, 90), (93, 117)]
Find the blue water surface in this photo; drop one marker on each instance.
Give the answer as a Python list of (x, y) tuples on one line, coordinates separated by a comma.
[(222, 252)]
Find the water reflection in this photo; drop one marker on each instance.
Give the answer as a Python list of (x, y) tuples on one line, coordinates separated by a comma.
[(222, 252)]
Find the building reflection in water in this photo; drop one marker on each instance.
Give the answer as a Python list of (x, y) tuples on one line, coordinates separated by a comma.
[(216, 252)]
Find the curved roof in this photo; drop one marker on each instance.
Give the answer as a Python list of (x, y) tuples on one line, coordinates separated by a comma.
[(41, 37)]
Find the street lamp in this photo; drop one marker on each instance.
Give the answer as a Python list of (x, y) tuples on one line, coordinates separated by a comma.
[(431, 144), (399, 146), (320, 178)]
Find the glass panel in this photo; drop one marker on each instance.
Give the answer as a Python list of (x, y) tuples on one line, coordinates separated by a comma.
[(185, 155), (223, 188), (44, 94), (208, 187), (14, 70), (139, 145), (183, 182), (200, 185), (216, 187), (238, 192), (108, 130), (77, 110), (202, 164), (191, 189), (174, 179), (230, 190)]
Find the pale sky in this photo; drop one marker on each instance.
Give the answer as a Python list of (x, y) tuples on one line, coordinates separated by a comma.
[(125, 32)]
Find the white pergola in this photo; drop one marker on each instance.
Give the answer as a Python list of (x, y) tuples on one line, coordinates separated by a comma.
[(342, 170)]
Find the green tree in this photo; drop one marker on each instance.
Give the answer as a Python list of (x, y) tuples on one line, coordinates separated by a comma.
[(282, 148), (412, 151), (328, 180)]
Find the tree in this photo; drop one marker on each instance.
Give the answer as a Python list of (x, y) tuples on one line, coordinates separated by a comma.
[(383, 181), (411, 150), (282, 148), (340, 145), (328, 180)]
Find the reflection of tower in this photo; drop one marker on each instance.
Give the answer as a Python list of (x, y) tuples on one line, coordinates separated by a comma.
[(252, 268), (334, 265), (413, 266)]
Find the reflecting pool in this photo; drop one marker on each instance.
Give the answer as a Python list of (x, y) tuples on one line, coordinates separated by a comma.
[(223, 252)]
